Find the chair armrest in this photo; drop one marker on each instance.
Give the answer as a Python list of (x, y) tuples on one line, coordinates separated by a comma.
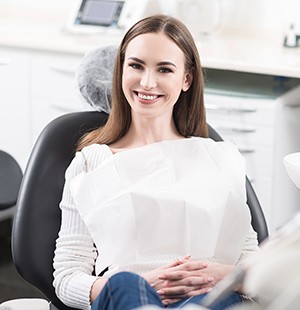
[(25, 304)]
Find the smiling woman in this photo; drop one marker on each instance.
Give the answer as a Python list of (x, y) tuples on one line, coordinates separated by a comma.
[(149, 201)]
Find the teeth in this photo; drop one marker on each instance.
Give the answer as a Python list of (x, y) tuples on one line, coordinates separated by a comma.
[(147, 97)]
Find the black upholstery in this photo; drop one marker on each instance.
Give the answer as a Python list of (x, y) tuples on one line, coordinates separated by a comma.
[(37, 219), (10, 180)]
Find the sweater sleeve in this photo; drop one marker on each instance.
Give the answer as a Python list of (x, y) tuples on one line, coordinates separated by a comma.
[(75, 253), (250, 248)]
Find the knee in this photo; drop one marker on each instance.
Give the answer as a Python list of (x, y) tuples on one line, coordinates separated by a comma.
[(126, 283), (117, 290)]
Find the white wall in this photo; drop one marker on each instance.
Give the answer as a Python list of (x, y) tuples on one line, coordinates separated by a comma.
[(269, 18), (238, 16), (260, 16)]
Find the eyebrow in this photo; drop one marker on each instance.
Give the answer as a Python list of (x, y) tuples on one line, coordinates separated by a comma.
[(162, 63)]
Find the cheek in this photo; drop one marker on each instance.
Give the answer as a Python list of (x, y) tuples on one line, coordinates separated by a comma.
[(176, 86), (128, 80), (127, 86), (125, 82)]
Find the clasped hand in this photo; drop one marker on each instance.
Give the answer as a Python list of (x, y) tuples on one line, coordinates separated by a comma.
[(185, 278)]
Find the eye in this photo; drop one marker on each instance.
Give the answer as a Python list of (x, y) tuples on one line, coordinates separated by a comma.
[(165, 70), (135, 65)]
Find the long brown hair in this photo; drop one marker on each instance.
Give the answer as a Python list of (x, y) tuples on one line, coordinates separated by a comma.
[(188, 112)]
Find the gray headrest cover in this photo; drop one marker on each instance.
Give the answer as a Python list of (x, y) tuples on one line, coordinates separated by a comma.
[(94, 77)]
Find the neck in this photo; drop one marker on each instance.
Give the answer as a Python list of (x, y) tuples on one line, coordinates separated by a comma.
[(147, 131), (150, 130)]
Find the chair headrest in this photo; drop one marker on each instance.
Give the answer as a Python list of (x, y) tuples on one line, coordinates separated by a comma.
[(94, 77)]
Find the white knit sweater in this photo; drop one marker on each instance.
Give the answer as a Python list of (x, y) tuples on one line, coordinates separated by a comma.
[(143, 207)]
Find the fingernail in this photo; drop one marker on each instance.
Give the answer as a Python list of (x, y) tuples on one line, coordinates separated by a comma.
[(162, 277), (160, 292)]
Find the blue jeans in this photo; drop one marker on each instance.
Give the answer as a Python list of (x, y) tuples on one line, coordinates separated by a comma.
[(127, 291)]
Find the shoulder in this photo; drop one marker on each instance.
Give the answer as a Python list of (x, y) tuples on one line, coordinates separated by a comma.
[(224, 153), (87, 159), (218, 148), (228, 159)]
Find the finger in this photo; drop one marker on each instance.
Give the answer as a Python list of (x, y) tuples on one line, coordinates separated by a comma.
[(178, 261), (173, 276), (182, 270), (181, 292), (175, 292), (192, 265), (193, 281), (175, 262), (167, 302), (185, 258), (201, 291)]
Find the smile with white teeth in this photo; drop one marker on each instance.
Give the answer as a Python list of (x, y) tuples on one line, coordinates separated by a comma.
[(147, 97)]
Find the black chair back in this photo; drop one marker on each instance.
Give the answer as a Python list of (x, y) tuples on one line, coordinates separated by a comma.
[(37, 220)]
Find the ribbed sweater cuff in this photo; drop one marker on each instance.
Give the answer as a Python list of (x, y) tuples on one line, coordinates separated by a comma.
[(80, 292)]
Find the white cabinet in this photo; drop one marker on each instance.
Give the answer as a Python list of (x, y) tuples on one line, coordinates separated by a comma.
[(36, 87), (246, 110), (14, 104), (53, 88)]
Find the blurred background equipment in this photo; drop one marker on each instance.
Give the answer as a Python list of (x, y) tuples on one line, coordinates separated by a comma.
[(292, 165), (10, 180), (90, 16)]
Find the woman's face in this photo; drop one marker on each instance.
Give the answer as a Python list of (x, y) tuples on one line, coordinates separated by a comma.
[(154, 75)]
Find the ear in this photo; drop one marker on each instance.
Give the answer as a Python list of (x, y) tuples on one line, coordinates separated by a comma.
[(188, 79)]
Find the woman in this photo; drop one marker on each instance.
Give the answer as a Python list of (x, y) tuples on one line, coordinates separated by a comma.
[(150, 203)]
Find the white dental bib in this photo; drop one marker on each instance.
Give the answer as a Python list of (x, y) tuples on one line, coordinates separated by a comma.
[(164, 200)]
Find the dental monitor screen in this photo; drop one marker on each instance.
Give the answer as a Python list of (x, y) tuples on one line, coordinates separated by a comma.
[(99, 13)]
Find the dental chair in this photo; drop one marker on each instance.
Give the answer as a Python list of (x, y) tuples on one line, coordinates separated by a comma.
[(37, 220)]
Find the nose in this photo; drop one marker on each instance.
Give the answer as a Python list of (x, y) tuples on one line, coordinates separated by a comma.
[(148, 80)]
